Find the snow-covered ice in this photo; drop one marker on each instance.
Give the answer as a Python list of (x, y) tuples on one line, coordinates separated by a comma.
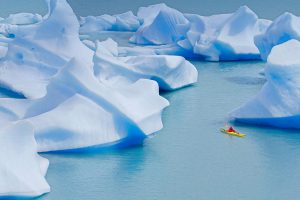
[(122, 22), (278, 103), (161, 25), (226, 36), (38, 51), (78, 111), (22, 170), (170, 72), (282, 29), (22, 19), (84, 89), (213, 38)]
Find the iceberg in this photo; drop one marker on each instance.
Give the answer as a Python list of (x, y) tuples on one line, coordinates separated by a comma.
[(78, 111), (22, 19), (39, 51), (170, 72), (122, 22), (79, 94), (212, 38), (22, 170), (225, 36), (283, 28), (160, 25), (278, 103)]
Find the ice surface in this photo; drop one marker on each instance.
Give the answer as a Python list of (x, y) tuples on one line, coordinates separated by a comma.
[(79, 111), (38, 51), (22, 19), (278, 103), (170, 72), (122, 22), (22, 170), (161, 25), (213, 38), (88, 93), (283, 28), (225, 36)]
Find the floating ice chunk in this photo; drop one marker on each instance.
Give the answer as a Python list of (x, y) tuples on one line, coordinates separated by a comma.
[(38, 51), (22, 19), (105, 114), (22, 170), (122, 22), (278, 103), (170, 72), (161, 25), (283, 28), (228, 37), (91, 24), (214, 38)]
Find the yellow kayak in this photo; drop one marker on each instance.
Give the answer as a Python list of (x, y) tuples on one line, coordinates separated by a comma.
[(233, 133)]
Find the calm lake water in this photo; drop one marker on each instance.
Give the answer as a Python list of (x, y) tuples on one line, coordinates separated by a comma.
[(189, 159)]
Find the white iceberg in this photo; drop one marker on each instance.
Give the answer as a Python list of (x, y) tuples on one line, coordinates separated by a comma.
[(283, 28), (122, 22), (170, 72), (22, 19), (22, 170), (79, 111), (225, 36), (160, 25), (38, 51), (278, 103), (92, 24), (213, 38)]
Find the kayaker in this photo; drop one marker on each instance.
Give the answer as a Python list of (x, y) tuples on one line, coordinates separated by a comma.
[(231, 129)]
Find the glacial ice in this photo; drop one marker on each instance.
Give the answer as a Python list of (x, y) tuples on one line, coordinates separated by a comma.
[(22, 170), (122, 22), (85, 93), (170, 72), (38, 51), (226, 36), (213, 38), (79, 111), (166, 31), (21, 19), (161, 25), (278, 103), (282, 29)]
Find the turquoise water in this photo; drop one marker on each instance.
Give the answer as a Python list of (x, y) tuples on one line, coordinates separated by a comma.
[(189, 159)]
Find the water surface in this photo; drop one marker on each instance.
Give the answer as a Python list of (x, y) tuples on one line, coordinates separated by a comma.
[(190, 158)]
